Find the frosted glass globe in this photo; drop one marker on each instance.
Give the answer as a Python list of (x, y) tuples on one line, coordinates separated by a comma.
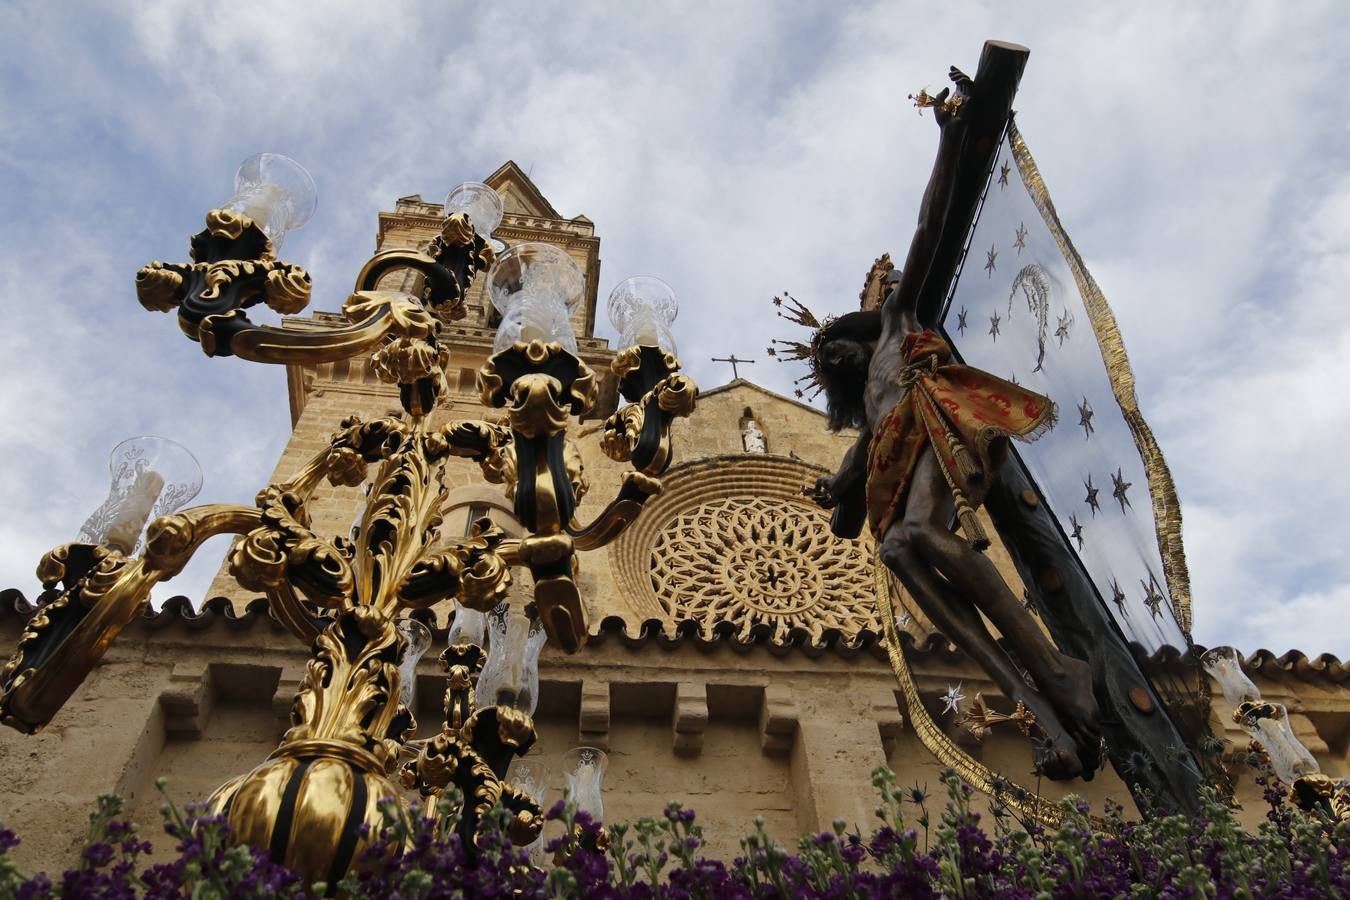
[(534, 320), (642, 309), (536, 270), (482, 204), (274, 191)]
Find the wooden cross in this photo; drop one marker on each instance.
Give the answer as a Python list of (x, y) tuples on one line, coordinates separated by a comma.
[(735, 373)]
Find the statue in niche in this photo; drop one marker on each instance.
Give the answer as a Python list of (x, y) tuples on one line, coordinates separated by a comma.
[(932, 434), (752, 439)]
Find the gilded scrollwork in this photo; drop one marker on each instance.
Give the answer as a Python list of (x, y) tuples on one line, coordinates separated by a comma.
[(488, 444), (348, 685), (284, 287), (537, 408), (283, 550), (227, 223), (1317, 790), (621, 431), (486, 576), (572, 389)]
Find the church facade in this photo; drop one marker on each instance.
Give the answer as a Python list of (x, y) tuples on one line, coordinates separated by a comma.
[(735, 661)]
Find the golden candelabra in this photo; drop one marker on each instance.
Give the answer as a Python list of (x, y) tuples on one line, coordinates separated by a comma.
[(305, 804)]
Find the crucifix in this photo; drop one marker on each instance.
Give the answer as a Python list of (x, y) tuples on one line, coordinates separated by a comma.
[(734, 362)]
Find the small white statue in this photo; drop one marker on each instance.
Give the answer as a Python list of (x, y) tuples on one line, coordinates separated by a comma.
[(752, 439)]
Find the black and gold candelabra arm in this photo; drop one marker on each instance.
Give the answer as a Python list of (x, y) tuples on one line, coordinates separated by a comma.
[(233, 268), (101, 592), (472, 752), (542, 386), (658, 393)]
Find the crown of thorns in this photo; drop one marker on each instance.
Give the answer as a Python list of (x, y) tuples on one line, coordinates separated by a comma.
[(788, 351)]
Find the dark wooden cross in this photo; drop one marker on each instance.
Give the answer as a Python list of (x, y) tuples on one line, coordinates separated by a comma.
[(735, 373)]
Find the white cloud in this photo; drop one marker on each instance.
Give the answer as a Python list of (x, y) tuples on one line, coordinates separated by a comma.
[(739, 149)]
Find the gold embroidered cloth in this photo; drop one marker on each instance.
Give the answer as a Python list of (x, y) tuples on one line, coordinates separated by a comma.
[(966, 414)]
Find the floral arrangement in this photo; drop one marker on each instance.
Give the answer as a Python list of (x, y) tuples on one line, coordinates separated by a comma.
[(911, 853)]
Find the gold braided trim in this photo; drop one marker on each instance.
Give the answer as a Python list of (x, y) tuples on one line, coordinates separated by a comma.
[(1162, 490), (969, 769)]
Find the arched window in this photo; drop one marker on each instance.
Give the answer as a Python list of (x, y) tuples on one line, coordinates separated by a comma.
[(465, 505)]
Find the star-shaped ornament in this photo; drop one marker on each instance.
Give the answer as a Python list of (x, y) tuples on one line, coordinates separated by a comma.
[(1085, 419), (1152, 596), (1117, 595), (993, 326), (989, 261), (1065, 324), (1003, 175), (1091, 499), (951, 701), (961, 321), (1077, 533), (1118, 488), (1020, 241), (903, 619)]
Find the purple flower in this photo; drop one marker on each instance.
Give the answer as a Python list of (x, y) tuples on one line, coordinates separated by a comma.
[(98, 854)]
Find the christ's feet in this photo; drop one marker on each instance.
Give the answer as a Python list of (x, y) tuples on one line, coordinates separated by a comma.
[(1070, 692), (1057, 751)]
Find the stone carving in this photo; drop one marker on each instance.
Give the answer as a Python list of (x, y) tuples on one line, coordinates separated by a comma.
[(761, 561)]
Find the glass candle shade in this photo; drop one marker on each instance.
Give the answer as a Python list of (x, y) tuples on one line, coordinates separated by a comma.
[(536, 320), (1288, 757), (642, 309), (535, 287), (584, 771), (1225, 666), (274, 191), (479, 202), (468, 627), (510, 675), (151, 477), (418, 637)]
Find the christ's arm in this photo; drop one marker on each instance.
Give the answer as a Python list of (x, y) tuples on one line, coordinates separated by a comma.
[(846, 490), (910, 295)]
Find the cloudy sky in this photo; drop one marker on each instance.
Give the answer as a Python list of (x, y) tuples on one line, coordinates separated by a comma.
[(1199, 157)]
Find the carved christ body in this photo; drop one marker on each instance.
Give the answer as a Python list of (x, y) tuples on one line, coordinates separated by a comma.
[(926, 452)]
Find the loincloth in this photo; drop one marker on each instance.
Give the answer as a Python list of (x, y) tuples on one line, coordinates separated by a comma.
[(966, 415)]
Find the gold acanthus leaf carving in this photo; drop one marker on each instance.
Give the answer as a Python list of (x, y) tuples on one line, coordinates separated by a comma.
[(350, 690), (676, 395), (536, 409), (456, 231), (283, 550), (485, 577), (409, 317), (406, 360), (630, 360), (621, 432)]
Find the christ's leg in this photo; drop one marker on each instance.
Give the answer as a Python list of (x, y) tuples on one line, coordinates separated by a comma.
[(954, 610), (1065, 680)]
